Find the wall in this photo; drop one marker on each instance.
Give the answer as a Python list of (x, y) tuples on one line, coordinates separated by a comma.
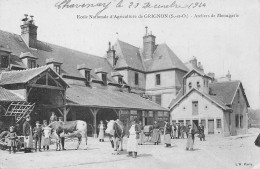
[(193, 80), (239, 107), (171, 82), (211, 112), (131, 80)]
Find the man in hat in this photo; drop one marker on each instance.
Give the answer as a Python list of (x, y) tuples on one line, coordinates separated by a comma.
[(62, 138), (37, 134), (27, 132)]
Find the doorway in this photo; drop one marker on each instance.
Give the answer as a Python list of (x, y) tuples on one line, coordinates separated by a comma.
[(195, 124), (211, 126)]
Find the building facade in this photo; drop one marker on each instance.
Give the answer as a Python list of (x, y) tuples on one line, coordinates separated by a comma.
[(73, 84), (221, 107)]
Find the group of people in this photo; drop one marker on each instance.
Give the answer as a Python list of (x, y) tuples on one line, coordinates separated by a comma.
[(37, 134), (40, 134)]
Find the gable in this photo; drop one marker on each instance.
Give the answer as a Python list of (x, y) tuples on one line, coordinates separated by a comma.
[(205, 107), (213, 99)]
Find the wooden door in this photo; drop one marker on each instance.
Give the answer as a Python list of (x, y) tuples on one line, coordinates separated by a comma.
[(211, 126)]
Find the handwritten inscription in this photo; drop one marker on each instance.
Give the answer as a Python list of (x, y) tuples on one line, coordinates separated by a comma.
[(102, 6)]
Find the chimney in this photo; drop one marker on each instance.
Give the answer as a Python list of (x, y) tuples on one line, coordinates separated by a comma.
[(194, 62), (111, 54), (228, 76), (148, 45), (29, 31)]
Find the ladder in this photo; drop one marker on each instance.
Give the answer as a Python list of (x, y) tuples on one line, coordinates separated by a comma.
[(18, 110)]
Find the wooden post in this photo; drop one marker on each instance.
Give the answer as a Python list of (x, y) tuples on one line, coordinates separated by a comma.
[(94, 112)]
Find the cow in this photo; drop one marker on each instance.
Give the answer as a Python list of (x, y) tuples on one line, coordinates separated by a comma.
[(116, 132), (69, 129)]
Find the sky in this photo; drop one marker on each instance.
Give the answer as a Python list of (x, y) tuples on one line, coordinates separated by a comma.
[(221, 44)]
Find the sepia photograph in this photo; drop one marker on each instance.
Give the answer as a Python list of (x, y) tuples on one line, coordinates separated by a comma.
[(123, 84)]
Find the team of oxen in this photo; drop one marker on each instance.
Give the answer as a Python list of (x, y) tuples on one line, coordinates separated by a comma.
[(78, 129)]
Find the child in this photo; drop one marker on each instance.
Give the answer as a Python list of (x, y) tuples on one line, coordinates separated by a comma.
[(11, 136)]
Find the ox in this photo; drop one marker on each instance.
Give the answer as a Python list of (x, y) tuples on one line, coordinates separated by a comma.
[(69, 129), (116, 132)]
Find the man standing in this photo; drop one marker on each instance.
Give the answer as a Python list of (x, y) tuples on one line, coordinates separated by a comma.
[(178, 130), (201, 132), (37, 135), (27, 132), (191, 138), (53, 117), (62, 138), (156, 133), (174, 130)]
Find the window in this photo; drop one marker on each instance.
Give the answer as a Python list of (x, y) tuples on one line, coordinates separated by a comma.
[(195, 110), (238, 96), (219, 125), (136, 79), (157, 79), (120, 80), (87, 76), (57, 69), (237, 120), (190, 85), (104, 78), (203, 122), (241, 121), (4, 61), (32, 63), (158, 99), (198, 85)]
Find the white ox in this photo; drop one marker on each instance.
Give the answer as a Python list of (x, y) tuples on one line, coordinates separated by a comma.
[(70, 129), (115, 129)]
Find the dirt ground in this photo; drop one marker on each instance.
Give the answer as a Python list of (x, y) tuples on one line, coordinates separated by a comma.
[(214, 153)]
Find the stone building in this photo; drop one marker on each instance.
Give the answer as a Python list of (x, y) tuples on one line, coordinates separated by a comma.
[(221, 107), (71, 83)]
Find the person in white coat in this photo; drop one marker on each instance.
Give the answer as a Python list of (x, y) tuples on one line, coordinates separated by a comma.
[(132, 143)]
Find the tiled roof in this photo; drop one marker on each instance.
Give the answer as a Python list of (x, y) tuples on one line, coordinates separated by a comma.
[(197, 71), (221, 92), (23, 76), (8, 96), (164, 58), (70, 58), (226, 91), (215, 99), (129, 56), (98, 97)]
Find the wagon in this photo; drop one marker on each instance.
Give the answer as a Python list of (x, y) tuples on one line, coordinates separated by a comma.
[(3, 141), (148, 130)]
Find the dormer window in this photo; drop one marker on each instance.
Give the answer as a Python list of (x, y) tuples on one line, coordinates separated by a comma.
[(31, 63), (85, 72), (190, 85), (102, 74), (55, 65), (28, 59), (57, 69), (120, 80), (104, 78), (4, 61)]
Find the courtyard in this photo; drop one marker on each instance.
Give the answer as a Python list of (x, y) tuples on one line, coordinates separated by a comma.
[(214, 153)]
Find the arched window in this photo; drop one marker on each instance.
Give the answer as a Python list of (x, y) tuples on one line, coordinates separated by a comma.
[(198, 84), (190, 85)]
